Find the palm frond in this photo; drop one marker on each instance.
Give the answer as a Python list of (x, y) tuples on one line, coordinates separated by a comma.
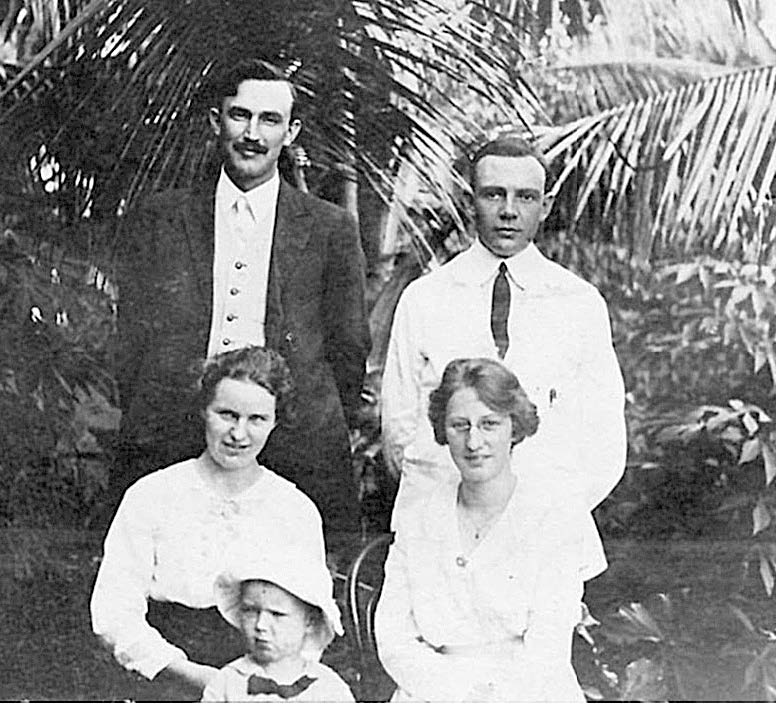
[(573, 90), (673, 172), (115, 98)]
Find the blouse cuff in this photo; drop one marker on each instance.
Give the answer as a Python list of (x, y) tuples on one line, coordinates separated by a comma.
[(149, 665)]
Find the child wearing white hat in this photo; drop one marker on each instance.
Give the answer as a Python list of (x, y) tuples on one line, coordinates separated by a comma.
[(284, 608)]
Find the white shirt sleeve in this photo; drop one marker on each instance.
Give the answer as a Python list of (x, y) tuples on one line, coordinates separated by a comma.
[(400, 387), (602, 433), (216, 688), (119, 599), (554, 612)]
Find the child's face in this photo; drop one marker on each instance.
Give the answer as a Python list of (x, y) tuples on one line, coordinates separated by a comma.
[(273, 622)]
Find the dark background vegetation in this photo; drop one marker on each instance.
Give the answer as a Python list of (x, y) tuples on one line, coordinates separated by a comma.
[(658, 117)]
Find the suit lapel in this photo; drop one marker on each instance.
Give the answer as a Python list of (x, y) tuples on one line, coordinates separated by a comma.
[(292, 231), (199, 219), (293, 228)]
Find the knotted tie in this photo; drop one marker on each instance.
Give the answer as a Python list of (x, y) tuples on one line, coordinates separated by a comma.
[(499, 312), (264, 685), (242, 218)]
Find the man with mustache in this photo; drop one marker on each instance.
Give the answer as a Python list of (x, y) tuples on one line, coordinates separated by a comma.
[(244, 259), (504, 300)]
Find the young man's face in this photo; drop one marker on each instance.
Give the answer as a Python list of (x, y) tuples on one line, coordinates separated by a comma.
[(253, 127), (273, 621), (509, 202)]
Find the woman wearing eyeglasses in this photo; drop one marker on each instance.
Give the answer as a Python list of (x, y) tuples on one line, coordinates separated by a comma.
[(484, 580)]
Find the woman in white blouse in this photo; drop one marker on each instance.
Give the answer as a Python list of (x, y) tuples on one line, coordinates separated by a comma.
[(484, 580), (153, 602)]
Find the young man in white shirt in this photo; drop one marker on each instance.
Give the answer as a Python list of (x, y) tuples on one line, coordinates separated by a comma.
[(504, 300)]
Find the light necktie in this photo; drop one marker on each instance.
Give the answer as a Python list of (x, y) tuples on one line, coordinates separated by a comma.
[(499, 312), (264, 685), (243, 219)]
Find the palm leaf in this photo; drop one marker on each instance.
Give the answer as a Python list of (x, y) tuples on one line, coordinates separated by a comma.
[(573, 90), (678, 170), (114, 98)]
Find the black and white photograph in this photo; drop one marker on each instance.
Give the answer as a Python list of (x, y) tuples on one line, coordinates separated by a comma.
[(387, 350)]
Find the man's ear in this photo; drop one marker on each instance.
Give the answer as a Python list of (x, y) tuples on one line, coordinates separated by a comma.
[(214, 116), (294, 128), (548, 200), (467, 198)]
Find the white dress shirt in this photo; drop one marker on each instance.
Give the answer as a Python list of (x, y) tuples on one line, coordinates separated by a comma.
[(171, 537), (560, 349), (492, 625), (231, 684), (244, 226)]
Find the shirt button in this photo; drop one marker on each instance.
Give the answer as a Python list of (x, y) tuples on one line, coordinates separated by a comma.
[(238, 265), (231, 317), (234, 291), (226, 341)]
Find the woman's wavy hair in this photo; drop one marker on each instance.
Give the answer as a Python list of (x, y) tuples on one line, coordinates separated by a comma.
[(496, 386), (260, 365)]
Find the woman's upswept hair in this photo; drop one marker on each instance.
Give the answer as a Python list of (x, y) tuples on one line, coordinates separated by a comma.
[(496, 386), (260, 365)]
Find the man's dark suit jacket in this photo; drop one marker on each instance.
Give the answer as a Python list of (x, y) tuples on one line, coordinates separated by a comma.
[(315, 318)]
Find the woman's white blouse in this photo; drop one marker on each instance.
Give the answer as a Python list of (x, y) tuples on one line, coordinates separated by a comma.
[(505, 613), (170, 538)]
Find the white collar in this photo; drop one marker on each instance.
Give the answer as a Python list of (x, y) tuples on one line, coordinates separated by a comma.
[(482, 265), (247, 666), (259, 198)]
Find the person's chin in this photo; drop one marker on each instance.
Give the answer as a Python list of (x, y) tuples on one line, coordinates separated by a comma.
[(247, 167), (229, 461), (504, 245), (261, 653)]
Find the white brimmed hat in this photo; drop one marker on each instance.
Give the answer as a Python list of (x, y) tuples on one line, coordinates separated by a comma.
[(300, 573)]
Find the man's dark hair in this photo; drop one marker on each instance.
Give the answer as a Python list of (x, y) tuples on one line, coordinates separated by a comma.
[(225, 83), (505, 146)]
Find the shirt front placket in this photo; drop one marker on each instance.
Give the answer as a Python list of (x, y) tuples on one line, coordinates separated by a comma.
[(238, 305)]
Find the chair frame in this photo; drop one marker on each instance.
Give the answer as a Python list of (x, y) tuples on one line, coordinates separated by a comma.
[(361, 612)]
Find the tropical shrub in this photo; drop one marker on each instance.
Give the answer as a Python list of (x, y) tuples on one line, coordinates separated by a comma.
[(54, 389)]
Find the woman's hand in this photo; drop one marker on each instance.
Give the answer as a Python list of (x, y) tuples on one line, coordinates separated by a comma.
[(191, 675)]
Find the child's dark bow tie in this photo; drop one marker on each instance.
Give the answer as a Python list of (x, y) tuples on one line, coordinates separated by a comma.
[(265, 685)]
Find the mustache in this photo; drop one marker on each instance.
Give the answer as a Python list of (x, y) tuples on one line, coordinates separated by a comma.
[(252, 147)]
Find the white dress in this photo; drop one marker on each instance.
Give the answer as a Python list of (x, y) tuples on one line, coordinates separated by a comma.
[(171, 537), (494, 625)]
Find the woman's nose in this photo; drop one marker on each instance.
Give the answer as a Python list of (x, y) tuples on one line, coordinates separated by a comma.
[(239, 428), (474, 439)]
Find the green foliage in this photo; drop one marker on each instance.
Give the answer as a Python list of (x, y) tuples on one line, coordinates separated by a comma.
[(680, 647), (376, 488), (54, 389)]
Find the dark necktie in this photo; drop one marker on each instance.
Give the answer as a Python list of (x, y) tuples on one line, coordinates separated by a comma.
[(265, 685), (499, 312)]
